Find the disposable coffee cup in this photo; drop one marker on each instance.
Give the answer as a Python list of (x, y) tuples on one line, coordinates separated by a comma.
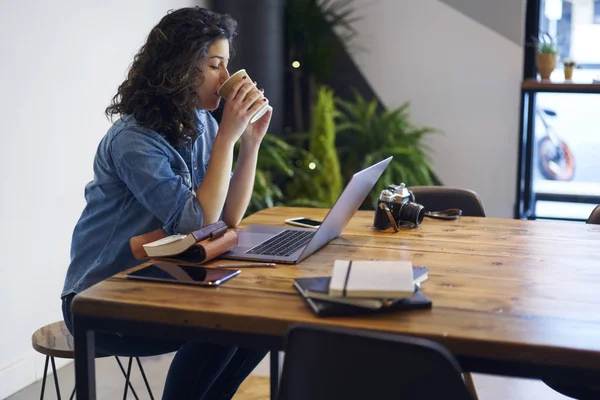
[(225, 91)]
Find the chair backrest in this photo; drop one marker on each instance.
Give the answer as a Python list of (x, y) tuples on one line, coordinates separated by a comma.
[(439, 198), (323, 363), (594, 217)]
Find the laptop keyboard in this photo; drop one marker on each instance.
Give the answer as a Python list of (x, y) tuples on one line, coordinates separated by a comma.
[(283, 244)]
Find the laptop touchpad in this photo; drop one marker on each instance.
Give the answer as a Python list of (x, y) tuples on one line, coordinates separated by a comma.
[(252, 239)]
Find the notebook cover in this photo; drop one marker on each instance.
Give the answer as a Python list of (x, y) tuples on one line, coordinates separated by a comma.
[(372, 279), (207, 249), (205, 232), (318, 287), (320, 284), (324, 308), (212, 231)]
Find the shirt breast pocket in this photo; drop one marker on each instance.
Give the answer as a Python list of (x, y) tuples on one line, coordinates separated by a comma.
[(185, 177)]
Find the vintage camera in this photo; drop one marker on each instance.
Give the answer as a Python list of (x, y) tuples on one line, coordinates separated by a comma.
[(396, 207)]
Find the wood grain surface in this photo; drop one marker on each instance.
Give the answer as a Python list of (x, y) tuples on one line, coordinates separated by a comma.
[(502, 289)]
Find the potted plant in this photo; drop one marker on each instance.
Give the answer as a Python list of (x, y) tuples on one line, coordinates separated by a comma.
[(366, 136), (546, 55), (278, 162), (325, 181), (569, 66), (321, 146)]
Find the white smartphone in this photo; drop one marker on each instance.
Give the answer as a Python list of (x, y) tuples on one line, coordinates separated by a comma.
[(303, 222)]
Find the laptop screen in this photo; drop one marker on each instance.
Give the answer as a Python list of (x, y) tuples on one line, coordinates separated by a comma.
[(345, 206)]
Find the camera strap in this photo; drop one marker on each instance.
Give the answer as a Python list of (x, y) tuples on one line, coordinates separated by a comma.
[(403, 224), (449, 214), (387, 211)]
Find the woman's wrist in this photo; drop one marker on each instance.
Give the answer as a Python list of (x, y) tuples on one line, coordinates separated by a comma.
[(224, 141), (251, 143)]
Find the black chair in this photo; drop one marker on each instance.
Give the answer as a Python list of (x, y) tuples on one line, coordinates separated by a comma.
[(323, 363), (576, 386), (439, 198), (594, 217)]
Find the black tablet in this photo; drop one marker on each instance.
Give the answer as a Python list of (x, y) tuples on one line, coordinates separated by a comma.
[(187, 274)]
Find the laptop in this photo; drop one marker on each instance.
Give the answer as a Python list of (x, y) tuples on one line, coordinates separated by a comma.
[(291, 245)]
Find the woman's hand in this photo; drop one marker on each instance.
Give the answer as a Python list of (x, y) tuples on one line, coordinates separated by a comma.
[(238, 110), (255, 132)]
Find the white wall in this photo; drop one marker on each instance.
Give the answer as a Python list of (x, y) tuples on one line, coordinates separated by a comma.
[(460, 77), (61, 63)]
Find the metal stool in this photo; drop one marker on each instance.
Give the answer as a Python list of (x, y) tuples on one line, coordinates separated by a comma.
[(55, 340)]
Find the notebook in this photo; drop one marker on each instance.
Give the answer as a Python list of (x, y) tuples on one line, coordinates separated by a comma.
[(318, 288), (323, 308), (197, 247), (176, 244), (372, 279)]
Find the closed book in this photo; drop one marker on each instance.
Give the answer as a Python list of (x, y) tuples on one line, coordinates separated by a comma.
[(206, 250), (197, 247), (323, 308), (176, 244), (372, 279), (318, 288)]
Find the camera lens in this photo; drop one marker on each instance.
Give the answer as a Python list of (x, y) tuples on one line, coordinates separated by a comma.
[(411, 213)]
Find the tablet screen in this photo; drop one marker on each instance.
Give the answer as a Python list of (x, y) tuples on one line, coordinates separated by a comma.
[(162, 271)]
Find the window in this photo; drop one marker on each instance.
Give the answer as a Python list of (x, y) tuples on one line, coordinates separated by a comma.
[(565, 165), (575, 27)]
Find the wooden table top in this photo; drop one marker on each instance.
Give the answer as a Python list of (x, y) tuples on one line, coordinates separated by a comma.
[(501, 289)]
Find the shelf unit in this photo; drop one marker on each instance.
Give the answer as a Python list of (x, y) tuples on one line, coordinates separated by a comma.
[(527, 195), (533, 85), (530, 87)]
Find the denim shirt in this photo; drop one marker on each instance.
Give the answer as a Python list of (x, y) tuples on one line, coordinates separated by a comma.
[(141, 183)]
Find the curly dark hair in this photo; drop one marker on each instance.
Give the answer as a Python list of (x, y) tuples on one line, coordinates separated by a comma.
[(159, 89)]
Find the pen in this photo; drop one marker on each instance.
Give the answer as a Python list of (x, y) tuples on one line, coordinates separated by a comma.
[(246, 265)]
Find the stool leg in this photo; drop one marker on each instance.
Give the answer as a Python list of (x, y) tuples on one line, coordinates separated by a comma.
[(144, 376), (72, 394), (127, 380), (44, 379), (55, 378)]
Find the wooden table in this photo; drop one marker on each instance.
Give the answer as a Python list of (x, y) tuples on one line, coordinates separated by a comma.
[(510, 297)]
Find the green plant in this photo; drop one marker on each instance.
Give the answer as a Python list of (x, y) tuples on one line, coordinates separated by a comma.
[(278, 162), (545, 44), (313, 28), (327, 183), (366, 136), (322, 180), (313, 31)]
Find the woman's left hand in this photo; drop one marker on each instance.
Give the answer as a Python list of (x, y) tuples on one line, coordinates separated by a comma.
[(255, 132)]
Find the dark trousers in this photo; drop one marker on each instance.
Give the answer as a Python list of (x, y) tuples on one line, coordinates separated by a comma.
[(198, 370)]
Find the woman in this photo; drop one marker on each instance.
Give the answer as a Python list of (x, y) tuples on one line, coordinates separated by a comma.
[(165, 163)]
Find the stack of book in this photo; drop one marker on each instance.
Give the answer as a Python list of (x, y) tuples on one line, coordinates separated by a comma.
[(365, 287), (196, 247)]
